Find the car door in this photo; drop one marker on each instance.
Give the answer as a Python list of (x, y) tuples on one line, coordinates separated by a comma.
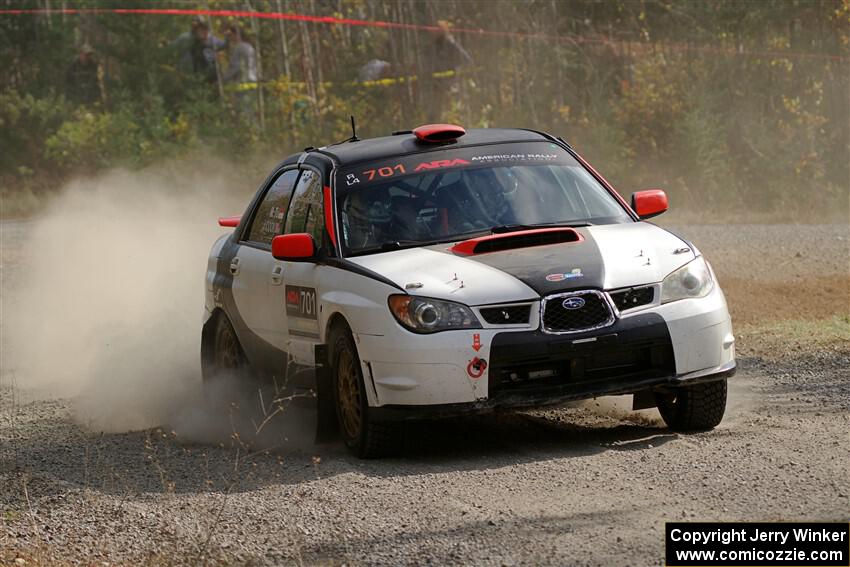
[(298, 332), (256, 273)]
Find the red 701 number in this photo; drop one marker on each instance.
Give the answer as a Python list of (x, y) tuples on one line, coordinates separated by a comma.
[(384, 171)]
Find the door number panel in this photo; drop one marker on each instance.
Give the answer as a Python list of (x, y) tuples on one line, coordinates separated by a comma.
[(301, 302)]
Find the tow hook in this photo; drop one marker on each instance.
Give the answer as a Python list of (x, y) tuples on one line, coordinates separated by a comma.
[(476, 367)]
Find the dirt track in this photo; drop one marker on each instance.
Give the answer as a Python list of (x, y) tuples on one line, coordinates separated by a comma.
[(579, 486)]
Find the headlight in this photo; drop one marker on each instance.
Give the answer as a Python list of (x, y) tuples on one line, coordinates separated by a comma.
[(691, 280), (424, 315)]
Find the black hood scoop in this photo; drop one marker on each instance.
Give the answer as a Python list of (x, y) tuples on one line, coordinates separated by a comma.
[(548, 260), (514, 240)]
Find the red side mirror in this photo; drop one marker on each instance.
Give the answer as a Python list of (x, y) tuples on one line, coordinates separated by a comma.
[(294, 247), (649, 203)]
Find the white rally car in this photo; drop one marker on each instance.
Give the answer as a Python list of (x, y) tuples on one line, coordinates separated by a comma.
[(440, 271)]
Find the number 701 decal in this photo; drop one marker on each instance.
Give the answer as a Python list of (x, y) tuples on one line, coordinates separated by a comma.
[(301, 302), (384, 171)]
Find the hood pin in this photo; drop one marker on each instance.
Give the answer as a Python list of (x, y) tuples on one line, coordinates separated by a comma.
[(413, 285)]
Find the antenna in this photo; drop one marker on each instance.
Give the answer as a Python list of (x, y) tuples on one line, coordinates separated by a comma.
[(353, 137)]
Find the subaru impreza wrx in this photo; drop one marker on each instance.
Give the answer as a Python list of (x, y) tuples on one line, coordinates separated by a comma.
[(440, 271)]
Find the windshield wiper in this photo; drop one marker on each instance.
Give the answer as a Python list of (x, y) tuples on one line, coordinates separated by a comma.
[(402, 244), (501, 229), (390, 246), (399, 244)]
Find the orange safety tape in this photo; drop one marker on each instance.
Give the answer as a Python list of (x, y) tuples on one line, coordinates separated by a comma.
[(422, 27)]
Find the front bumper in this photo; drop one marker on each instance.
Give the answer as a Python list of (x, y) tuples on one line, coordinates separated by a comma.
[(650, 348), (552, 396)]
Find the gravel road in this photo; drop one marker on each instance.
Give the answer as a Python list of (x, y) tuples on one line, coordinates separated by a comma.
[(589, 485)]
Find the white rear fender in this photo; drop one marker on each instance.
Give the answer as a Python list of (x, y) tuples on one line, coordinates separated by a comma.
[(212, 267)]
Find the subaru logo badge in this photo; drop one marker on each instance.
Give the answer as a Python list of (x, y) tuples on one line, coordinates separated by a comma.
[(573, 303)]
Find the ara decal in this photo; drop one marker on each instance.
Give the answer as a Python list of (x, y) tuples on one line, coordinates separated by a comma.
[(440, 163), (576, 273)]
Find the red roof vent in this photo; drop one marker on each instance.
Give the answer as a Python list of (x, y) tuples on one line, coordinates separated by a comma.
[(438, 132)]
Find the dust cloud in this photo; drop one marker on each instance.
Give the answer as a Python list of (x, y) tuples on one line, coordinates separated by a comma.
[(105, 303), (620, 408)]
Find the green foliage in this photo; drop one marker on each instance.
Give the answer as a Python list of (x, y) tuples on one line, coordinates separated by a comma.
[(25, 123), (650, 102), (700, 154), (132, 134), (92, 139)]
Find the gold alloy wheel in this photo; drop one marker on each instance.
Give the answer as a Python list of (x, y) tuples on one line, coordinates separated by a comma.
[(348, 392)]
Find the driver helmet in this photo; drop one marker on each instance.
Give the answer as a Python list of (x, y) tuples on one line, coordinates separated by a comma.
[(364, 207), (507, 178)]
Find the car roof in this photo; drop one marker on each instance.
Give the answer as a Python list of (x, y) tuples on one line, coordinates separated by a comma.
[(407, 143)]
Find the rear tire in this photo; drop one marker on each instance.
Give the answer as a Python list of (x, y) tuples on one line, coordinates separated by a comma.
[(223, 356), (693, 408), (364, 436)]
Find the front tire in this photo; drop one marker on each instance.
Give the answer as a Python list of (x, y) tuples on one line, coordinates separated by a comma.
[(699, 407), (364, 436)]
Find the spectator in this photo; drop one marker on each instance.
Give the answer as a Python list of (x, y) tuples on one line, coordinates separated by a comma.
[(242, 66), (446, 58), (373, 70), (183, 45), (448, 53), (82, 79), (241, 74), (203, 51)]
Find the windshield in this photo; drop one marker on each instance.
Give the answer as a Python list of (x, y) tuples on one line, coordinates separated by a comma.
[(451, 194)]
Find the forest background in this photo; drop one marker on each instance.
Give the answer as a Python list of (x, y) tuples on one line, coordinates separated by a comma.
[(733, 107)]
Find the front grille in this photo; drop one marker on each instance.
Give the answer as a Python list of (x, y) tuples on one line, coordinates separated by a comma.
[(506, 314), (591, 311), (582, 369), (634, 297), (532, 363)]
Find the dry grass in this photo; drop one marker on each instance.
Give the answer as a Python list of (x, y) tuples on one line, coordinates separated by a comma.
[(775, 340)]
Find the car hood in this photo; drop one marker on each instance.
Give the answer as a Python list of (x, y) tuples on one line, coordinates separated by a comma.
[(607, 257)]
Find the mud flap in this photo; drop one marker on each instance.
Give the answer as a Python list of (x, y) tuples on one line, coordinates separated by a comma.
[(644, 399), (326, 424)]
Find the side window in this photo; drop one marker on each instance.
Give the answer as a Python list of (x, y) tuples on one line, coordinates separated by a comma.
[(305, 213), (268, 220)]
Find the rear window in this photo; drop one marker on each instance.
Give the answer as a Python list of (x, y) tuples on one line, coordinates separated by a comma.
[(268, 219)]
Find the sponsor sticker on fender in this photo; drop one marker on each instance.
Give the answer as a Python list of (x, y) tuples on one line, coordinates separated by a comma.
[(575, 273)]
